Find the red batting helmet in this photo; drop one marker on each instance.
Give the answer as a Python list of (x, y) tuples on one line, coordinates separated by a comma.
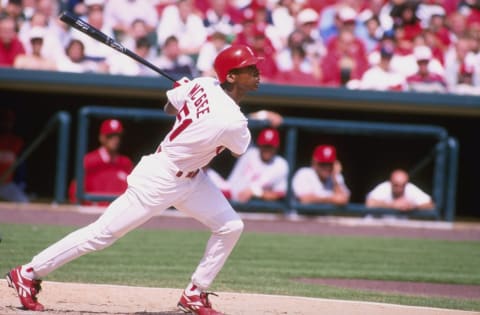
[(233, 57)]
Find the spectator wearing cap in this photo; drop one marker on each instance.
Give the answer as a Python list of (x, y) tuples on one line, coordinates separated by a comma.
[(307, 22), (380, 77), (425, 80), (106, 169), (399, 193), (260, 173), (35, 60), (10, 45), (323, 181)]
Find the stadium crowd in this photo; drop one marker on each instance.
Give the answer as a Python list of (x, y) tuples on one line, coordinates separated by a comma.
[(394, 45)]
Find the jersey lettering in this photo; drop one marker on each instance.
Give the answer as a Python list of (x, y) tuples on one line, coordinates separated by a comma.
[(183, 120), (194, 91), (200, 100)]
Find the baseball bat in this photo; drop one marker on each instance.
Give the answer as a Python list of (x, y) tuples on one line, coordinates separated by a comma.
[(96, 34)]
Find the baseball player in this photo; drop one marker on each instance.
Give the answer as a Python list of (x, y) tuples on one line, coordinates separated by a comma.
[(106, 170), (208, 120), (260, 172), (323, 181)]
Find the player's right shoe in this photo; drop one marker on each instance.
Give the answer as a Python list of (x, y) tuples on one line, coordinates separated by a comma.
[(26, 289), (197, 304)]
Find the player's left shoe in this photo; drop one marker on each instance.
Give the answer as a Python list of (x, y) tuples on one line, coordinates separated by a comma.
[(26, 289), (197, 304)]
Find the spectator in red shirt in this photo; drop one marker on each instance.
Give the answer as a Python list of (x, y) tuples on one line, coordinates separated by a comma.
[(405, 17), (10, 45), (106, 170), (345, 60), (10, 148)]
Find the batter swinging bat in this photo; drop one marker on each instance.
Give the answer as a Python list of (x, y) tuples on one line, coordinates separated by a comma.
[(96, 34)]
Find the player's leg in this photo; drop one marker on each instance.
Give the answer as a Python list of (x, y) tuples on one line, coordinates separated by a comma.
[(121, 216), (208, 205)]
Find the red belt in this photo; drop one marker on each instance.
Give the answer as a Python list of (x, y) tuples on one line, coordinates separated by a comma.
[(190, 174)]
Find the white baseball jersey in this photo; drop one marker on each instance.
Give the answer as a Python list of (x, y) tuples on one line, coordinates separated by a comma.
[(414, 195), (208, 120), (250, 171), (306, 181)]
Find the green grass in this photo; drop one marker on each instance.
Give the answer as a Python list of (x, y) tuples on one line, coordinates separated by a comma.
[(262, 263)]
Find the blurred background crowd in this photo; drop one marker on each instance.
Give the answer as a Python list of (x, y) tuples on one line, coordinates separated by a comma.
[(394, 45)]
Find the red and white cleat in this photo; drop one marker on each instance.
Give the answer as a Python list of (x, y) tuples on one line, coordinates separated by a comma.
[(197, 304), (26, 289)]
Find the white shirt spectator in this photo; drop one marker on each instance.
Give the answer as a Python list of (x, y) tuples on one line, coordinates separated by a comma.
[(94, 49), (413, 194), (283, 21), (191, 32), (120, 64), (378, 79), (52, 47), (217, 179), (251, 172), (306, 182), (406, 65), (124, 12), (206, 57)]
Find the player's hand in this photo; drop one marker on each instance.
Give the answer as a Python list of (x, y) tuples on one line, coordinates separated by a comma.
[(180, 82), (402, 204), (337, 167)]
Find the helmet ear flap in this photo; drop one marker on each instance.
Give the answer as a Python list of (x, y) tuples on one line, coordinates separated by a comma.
[(230, 77)]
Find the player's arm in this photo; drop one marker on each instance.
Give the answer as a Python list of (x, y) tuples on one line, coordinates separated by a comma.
[(274, 118), (170, 109)]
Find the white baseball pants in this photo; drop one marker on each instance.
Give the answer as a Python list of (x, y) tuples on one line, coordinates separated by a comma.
[(153, 187)]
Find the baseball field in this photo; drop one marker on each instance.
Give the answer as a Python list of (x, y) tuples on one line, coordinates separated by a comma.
[(306, 265)]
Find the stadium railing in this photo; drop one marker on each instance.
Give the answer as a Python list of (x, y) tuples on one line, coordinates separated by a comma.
[(444, 156), (59, 122)]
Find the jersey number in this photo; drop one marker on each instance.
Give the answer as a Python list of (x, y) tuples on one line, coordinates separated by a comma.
[(183, 120)]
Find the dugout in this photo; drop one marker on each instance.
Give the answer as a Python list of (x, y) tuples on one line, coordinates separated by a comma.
[(36, 96)]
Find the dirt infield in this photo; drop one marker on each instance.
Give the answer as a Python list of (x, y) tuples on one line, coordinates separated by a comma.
[(68, 298), (77, 298)]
